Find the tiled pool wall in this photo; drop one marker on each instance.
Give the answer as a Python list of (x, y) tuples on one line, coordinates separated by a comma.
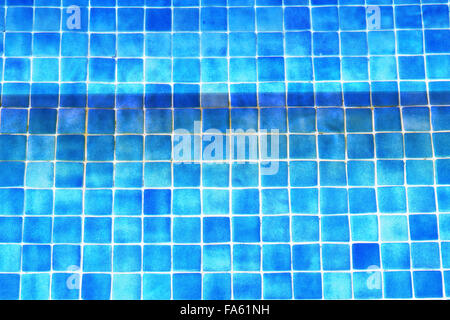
[(110, 187)]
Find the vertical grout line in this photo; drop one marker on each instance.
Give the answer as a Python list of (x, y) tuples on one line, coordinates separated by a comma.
[(27, 135), (230, 220), (291, 245), (316, 135), (202, 269), (378, 213), (144, 139), (55, 141), (261, 244), (5, 12), (26, 162), (172, 219), (113, 218), (86, 118), (405, 185), (444, 295), (26, 155), (375, 160), (345, 133)]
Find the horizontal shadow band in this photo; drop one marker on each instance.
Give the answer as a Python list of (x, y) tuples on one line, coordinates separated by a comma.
[(309, 98)]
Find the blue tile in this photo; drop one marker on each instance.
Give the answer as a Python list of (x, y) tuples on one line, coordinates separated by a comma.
[(364, 228), (97, 230), (389, 145), (245, 201), (126, 287), (381, 42), (332, 146), (97, 258), (332, 173), (246, 257), (423, 227), (421, 199), (425, 255), (157, 230), (66, 257), (158, 70), (336, 257), (276, 257), (42, 121), (96, 287), (365, 255), (269, 19), (10, 284), (246, 229), (10, 255), (59, 289), (397, 285), (13, 147), (37, 230), (271, 69), (216, 230), (410, 41), (325, 18), (36, 258), (246, 286), (35, 287), (360, 146), (361, 288), (127, 230), (352, 18), (305, 228), (307, 286), (408, 17), (157, 258), (216, 201), (128, 202), (156, 286), (362, 200), (275, 229), (353, 43), (427, 284), (337, 286), (186, 230), (405, 70), (18, 44), (127, 258), (296, 18), (306, 257), (390, 172), (361, 173), (416, 119), (241, 19), (277, 286), (102, 20), (392, 199), (335, 229), (187, 286), (333, 201), (67, 230), (217, 286), (394, 228), (216, 258), (302, 146)]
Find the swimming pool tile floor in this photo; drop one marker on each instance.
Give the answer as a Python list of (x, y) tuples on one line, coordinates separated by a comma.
[(122, 175)]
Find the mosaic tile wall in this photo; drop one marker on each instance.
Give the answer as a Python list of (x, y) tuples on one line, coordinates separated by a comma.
[(353, 97)]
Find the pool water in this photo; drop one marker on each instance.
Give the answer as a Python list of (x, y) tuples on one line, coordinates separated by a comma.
[(224, 149)]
